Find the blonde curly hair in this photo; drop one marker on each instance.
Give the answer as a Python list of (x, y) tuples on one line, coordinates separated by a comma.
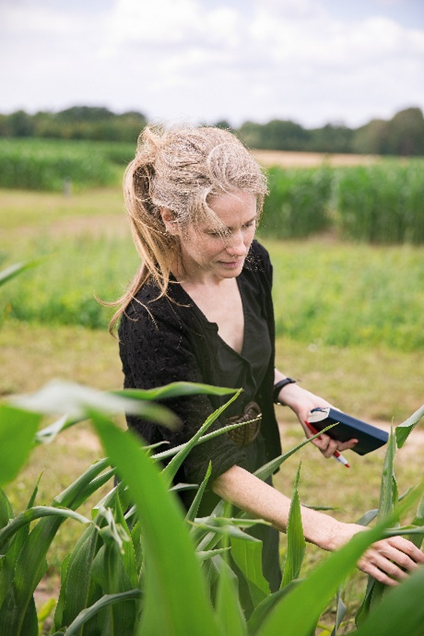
[(180, 169)]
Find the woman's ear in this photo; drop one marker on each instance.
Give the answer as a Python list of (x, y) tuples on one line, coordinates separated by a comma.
[(169, 221)]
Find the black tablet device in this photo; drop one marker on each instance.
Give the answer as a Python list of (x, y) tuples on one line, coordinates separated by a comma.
[(369, 437)]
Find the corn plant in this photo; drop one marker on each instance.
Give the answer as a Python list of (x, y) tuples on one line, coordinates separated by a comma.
[(35, 165), (141, 558), (297, 205), (382, 204)]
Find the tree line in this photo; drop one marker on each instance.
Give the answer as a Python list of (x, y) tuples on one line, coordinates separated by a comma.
[(401, 135)]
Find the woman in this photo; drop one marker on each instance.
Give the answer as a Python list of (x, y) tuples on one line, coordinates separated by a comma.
[(200, 310)]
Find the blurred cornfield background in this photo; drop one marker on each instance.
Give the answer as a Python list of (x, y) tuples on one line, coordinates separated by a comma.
[(380, 203), (345, 241)]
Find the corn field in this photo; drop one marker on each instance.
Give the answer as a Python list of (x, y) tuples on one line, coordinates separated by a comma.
[(52, 165), (381, 203)]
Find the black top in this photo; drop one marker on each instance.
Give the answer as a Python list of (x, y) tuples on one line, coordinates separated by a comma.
[(169, 339), (248, 368)]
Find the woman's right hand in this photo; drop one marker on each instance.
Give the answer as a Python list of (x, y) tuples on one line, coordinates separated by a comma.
[(388, 560)]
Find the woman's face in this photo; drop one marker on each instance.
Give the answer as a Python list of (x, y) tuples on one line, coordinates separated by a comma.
[(216, 252)]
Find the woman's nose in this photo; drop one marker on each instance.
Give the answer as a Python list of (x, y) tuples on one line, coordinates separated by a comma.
[(236, 244)]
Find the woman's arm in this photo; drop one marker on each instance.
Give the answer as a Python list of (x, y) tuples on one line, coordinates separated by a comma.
[(383, 560), (301, 402)]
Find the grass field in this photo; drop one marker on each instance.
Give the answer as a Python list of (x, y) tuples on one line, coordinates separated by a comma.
[(87, 240)]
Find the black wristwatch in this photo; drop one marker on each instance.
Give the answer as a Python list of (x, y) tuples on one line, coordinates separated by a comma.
[(279, 386)]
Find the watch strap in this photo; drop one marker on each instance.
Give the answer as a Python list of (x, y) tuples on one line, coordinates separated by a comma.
[(280, 385)]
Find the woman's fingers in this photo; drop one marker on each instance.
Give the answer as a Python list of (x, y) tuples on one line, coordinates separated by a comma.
[(329, 446), (390, 560)]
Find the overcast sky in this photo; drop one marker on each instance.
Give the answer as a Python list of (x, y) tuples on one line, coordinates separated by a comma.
[(312, 61)]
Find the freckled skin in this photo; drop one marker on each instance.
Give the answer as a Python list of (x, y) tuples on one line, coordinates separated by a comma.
[(211, 252)]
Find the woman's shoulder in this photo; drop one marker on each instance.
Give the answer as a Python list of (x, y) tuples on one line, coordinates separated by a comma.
[(150, 311), (259, 251), (258, 259)]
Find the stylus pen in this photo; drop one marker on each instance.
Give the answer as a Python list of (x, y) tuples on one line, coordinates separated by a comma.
[(337, 456)]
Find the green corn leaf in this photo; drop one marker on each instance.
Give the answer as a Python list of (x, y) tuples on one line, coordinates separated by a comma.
[(31, 514), (388, 499), (12, 271), (193, 510), (388, 489), (44, 613), (201, 440), (72, 494), (228, 610), (17, 432), (267, 470), (403, 430), (78, 590), (111, 530), (400, 612), (127, 551), (58, 614), (6, 510), (225, 529), (30, 566), (103, 603), (172, 569), (171, 469), (419, 521), (109, 572), (369, 516), (341, 610), (248, 557), (203, 538), (296, 544), (174, 390), (73, 400), (204, 555), (262, 611), (121, 568), (34, 493), (48, 434)]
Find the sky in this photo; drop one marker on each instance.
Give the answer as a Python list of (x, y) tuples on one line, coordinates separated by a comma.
[(311, 61)]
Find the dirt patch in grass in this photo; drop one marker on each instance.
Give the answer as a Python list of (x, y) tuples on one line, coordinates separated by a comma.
[(289, 159), (106, 225)]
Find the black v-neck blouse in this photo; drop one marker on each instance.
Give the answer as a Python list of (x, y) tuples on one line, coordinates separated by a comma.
[(169, 340), (246, 369)]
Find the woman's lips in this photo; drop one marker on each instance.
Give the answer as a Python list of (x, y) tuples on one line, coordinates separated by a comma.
[(231, 264)]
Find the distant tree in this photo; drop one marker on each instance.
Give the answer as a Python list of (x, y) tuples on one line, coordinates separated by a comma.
[(250, 134), (284, 135), (405, 133), (84, 114), (402, 135), (331, 138), (275, 135), (20, 124), (371, 138), (4, 126)]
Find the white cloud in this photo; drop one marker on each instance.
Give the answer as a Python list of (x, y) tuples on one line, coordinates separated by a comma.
[(254, 59)]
